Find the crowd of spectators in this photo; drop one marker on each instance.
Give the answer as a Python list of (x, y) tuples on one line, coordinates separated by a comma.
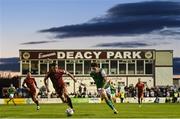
[(170, 92), (160, 91)]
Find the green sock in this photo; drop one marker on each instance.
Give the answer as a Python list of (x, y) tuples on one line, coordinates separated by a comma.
[(109, 103)]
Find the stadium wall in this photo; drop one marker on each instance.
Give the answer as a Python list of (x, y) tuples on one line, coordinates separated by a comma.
[(163, 68)]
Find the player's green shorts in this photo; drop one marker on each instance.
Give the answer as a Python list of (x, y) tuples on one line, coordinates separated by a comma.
[(113, 95)]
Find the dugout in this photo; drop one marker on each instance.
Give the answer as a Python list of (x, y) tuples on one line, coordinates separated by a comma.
[(154, 67)]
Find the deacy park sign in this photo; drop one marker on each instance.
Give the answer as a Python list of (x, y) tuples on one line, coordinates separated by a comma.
[(86, 54)]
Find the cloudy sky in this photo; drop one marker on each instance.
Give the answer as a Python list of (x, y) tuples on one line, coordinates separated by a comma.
[(91, 24)]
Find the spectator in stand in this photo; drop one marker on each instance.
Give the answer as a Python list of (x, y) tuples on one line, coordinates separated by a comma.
[(80, 90), (84, 91), (122, 96), (175, 97)]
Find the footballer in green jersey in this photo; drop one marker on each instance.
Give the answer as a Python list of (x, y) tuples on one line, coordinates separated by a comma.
[(100, 78), (11, 90)]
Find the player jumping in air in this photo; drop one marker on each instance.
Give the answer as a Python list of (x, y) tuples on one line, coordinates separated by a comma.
[(56, 76), (100, 78), (140, 91), (31, 87), (11, 90)]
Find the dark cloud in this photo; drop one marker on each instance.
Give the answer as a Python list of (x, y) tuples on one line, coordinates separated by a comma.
[(37, 42), (153, 8), (125, 19), (124, 44)]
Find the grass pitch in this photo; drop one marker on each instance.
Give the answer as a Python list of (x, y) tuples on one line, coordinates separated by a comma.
[(83, 110)]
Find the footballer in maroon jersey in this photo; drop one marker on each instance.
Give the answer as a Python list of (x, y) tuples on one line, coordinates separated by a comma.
[(56, 76), (31, 87), (140, 90)]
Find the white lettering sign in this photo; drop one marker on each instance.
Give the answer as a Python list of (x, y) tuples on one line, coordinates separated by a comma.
[(70, 55), (78, 55), (96, 55), (136, 55), (88, 55), (118, 55), (127, 55), (109, 55), (61, 55)]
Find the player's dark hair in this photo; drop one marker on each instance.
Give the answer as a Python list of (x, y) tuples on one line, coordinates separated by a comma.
[(94, 64)]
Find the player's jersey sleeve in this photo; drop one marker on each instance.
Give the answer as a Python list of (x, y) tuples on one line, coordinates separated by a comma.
[(25, 81), (64, 72), (14, 89), (47, 75), (103, 73), (8, 90), (143, 86), (34, 81), (136, 85)]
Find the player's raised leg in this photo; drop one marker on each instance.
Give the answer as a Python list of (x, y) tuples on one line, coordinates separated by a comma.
[(108, 101)]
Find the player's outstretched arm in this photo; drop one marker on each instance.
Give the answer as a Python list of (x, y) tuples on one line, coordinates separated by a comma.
[(70, 75), (23, 85)]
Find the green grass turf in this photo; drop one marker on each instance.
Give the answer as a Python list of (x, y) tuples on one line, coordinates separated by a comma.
[(91, 111)]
